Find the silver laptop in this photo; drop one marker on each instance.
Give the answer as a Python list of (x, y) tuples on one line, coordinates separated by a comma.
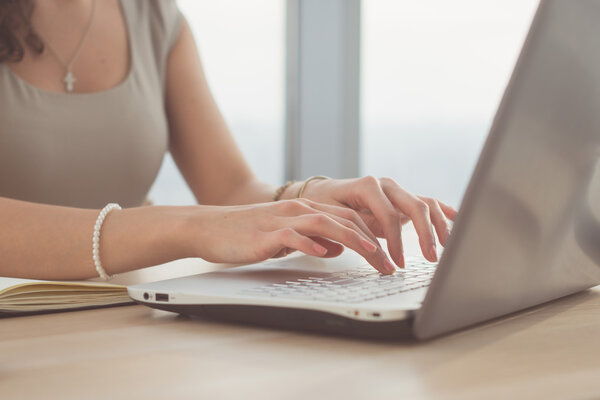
[(528, 230)]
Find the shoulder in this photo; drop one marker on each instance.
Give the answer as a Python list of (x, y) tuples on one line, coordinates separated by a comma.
[(155, 26), (162, 16)]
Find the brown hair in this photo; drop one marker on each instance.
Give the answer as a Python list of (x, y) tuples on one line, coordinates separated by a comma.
[(16, 32)]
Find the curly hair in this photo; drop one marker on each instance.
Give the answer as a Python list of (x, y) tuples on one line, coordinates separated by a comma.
[(16, 31)]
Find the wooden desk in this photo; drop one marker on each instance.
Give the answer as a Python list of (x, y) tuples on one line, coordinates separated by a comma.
[(134, 352)]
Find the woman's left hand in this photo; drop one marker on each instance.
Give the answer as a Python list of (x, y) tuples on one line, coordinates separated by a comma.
[(385, 206)]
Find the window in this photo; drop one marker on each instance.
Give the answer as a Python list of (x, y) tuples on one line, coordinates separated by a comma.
[(433, 73), (242, 49)]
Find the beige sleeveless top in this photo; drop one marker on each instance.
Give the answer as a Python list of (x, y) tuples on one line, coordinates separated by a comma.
[(86, 150)]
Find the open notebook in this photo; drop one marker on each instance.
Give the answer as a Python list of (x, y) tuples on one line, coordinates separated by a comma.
[(32, 296), (26, 296)]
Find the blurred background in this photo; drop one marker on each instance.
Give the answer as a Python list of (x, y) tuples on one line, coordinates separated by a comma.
[(432, 73)]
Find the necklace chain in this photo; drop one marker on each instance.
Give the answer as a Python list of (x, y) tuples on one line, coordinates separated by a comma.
[(69, 78)]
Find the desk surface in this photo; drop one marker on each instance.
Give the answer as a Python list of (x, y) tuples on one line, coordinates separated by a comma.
[(134, 352)]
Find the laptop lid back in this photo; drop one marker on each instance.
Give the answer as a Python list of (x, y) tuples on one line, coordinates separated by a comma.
[(528, 230)]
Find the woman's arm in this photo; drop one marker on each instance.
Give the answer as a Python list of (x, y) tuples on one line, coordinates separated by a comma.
[(50, 242), (200, 141), (41, 241)]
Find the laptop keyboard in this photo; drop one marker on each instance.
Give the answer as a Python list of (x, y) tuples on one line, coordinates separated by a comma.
[(351, 286)]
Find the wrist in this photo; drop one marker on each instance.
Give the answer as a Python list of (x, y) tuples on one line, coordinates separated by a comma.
[(185, 229), (303, 189), (291, 192), (143, 236)]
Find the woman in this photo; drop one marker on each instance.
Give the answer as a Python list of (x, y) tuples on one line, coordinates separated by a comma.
[(92, 94)]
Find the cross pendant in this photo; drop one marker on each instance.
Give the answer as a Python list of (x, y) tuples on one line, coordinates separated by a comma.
[(69, 81)]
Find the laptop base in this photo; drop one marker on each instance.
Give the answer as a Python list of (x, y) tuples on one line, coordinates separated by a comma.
[(294, 319)]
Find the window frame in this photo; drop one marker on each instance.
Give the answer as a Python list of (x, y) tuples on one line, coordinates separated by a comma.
[(322, 113)]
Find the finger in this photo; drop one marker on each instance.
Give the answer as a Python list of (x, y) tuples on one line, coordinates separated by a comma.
[(281, 253), (344, 215), (450, 212), (348, 214), (277, 241), (371, 194), (325, 226), (305, 206), (439, 220), (287, 251), (374, 257), (418, 211), (333, 249), (370, 220)]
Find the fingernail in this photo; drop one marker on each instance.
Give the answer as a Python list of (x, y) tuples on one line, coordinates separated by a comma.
[(389, 266), (370, 247), (320, 249)]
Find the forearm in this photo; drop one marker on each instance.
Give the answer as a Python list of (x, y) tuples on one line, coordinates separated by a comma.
[(50, 242)]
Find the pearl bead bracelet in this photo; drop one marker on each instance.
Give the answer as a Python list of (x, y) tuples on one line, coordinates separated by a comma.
[(96, 239)]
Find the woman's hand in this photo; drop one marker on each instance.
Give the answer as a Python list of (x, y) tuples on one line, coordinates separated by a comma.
[(251, 233), (384, 207)]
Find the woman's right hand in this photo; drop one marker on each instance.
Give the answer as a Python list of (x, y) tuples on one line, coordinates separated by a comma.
[(256, 232)]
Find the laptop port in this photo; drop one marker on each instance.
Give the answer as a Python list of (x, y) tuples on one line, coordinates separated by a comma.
[(161, 297)]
